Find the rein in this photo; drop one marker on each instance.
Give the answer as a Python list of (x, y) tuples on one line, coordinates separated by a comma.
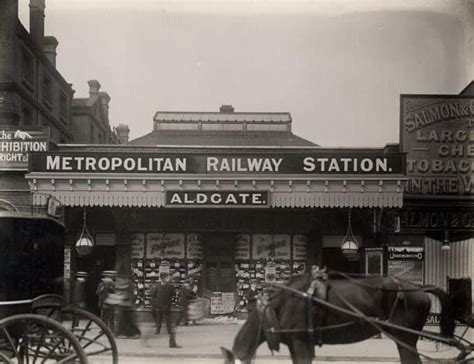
[(377, 323)]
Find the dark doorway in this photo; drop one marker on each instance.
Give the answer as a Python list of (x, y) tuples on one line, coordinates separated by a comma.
[(101, 258), (219, 275), (333, 259)]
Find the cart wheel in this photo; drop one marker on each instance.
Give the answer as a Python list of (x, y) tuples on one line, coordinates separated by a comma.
[(30, 338), (93, 334)]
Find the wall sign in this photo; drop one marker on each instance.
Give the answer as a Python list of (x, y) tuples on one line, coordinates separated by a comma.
[(406, 263), (242, 247), (433, 219), (266, 246), (320, 162), (194, 246), (217, 198), (17, 142), (299, 247), (137, 246), (436, 133), (165, 246)]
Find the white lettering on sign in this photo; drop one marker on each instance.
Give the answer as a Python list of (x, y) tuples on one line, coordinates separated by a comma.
[(438, 138), (311, 164), (225, 198), (218, 164)]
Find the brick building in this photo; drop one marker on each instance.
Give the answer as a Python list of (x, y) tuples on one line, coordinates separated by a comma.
[(37, 108)]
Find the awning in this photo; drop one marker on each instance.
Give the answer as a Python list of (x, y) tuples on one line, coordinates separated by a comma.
[(281, 194)]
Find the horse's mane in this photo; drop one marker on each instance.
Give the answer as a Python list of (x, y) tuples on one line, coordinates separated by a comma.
[(299, 282)]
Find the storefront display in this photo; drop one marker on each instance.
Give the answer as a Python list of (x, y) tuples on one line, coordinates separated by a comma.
[(274, 258), (165, 253)]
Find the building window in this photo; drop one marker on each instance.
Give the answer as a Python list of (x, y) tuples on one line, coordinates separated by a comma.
[(63, 107), (28, 69), (27, 116), (47, 90)]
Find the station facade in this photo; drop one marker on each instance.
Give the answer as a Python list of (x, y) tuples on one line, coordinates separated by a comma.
[(228, 197), (223, 198)]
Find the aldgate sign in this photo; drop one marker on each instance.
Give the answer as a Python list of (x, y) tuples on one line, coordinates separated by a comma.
[(217, 198), (238, 163), (17, 142), (437, 135)]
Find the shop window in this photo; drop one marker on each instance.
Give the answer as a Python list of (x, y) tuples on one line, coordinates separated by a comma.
[(28, 69), (63, 107), (47, 90)]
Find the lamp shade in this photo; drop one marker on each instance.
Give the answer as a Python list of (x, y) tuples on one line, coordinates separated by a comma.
[(84, 246)]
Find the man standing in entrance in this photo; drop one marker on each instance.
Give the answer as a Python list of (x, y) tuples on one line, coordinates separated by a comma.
[(161, 296)]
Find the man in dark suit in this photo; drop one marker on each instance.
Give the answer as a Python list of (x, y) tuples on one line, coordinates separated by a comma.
[(162, 295), (251, 297)]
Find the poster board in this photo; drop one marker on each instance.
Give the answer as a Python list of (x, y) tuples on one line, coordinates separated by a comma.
[(137, 246), (406, 263), (165, 246), (242, 247), (194, 246), (266, 246), (299, 247)]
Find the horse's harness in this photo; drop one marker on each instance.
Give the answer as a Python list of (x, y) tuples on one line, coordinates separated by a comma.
[(320, 287)]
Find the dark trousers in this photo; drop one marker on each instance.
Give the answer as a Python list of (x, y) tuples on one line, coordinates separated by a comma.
[(107, 313), (166, 314), (159, 315)]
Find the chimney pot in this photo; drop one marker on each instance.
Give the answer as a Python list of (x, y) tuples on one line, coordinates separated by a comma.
[(49, 47), (226, 109), (94, 87), (122, 131)]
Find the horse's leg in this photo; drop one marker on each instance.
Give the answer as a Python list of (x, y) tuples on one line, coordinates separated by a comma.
[(408, 356), (303, 350), (292, 351)]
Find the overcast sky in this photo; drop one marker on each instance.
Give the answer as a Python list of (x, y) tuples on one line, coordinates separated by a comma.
[(337, 66)]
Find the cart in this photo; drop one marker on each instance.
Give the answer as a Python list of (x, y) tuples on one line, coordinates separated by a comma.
[(35, 326)]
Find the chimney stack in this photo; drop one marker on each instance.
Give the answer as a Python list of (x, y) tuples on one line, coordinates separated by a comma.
[(94, 87), (50, 45), (105, 99), (226, 109), (37, 21), (122, 133)]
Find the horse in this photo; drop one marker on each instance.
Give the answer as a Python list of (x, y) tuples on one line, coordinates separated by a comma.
[(292, 317)]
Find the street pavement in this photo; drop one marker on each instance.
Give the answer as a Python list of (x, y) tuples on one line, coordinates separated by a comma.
[(201, 344)]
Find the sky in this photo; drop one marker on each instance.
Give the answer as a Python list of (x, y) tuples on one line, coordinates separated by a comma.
[(338, 67)]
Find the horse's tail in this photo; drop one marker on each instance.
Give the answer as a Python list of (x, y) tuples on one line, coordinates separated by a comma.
[(447, 320)]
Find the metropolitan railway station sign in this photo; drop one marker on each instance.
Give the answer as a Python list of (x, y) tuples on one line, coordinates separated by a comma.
[(236, 178), (160, 163)]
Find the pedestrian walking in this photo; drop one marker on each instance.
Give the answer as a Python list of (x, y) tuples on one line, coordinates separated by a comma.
[(161, 296), (127, 325), (186, 295), (251, 297), (104, 290)]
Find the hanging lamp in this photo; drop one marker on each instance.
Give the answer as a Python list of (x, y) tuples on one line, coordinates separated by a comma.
[(85, 243), (349, 245), (446, 247)]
